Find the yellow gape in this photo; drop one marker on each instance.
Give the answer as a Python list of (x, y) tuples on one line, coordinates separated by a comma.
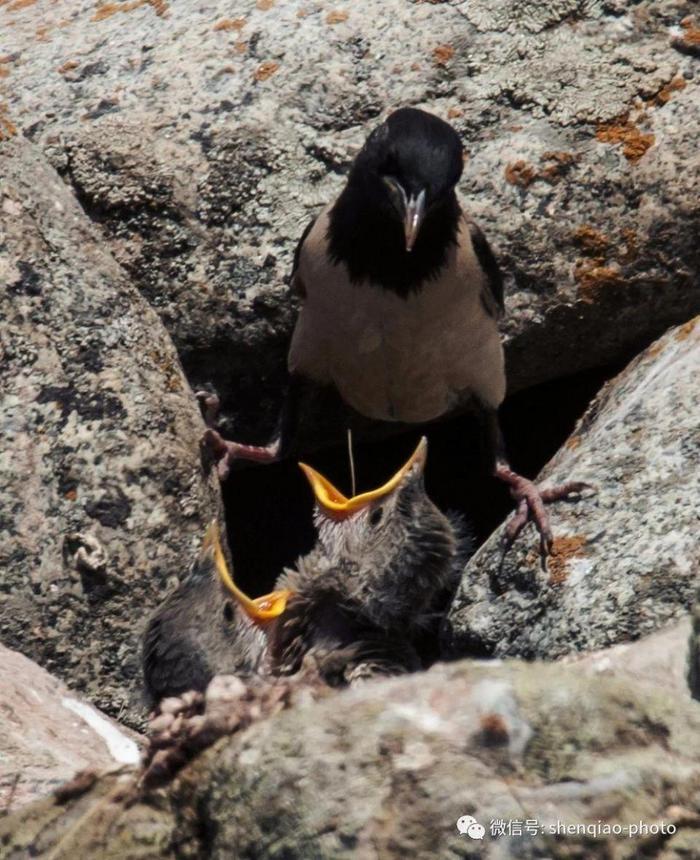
[(339, 506), (259, 609)]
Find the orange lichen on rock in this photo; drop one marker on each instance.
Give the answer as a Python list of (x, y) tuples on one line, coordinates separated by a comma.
[(20, 4), (592, 241), (106, 10), (559, 162), (265, 70), (68, 66), (622, 131), (264, 5), (687, 328), (665, 93), (443, 54), (520, 173), (593, 278), (494, 731), (654, 349), (523, 174), (563, 550), (7, 127), (688, 40), (160, 7), (560, 156), (454, 112), (227, 24), (240, 47), (336, 17), (573, 442), (692, 35)]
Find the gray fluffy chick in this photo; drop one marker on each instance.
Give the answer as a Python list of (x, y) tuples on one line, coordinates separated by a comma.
[(362, 599), (206, 627)]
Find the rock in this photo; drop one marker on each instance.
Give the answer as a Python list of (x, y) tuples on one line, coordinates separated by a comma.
[(47, 734), (694, 655), (387, 768), (660, 659), (202, 143), (626, 560), (103, 497)]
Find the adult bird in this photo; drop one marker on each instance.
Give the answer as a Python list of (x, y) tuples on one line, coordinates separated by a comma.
[(400, 300)]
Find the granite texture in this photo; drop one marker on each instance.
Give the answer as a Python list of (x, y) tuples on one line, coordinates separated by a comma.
[(386, 769), (103, 498), (626, 558), (202, 139)]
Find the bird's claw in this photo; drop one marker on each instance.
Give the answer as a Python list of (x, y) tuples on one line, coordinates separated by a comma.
[(531, 501)]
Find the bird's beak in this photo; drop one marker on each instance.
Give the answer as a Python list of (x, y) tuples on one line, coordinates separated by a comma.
[(259, 609), (413, 218), (331, 501)]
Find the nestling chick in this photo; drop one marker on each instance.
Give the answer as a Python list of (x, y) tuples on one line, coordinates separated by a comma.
[(372, 585), (206, 627), (400, 300)]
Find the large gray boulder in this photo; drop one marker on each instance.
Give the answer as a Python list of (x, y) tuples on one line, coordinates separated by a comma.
[(626, 558), (202, 140), (103, 500), (385, 770), (694, 656)]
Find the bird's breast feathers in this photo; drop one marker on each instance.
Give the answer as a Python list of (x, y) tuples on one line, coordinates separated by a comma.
[(391, 358)]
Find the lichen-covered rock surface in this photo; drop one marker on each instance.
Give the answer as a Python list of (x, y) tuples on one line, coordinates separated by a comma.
[(103, 497), (203, 138), (385, 770), (626, 558)]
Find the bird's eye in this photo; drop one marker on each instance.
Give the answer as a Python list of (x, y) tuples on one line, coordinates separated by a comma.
[(228, 611), (376, 515)]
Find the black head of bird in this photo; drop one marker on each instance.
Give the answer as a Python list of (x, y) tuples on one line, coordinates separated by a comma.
[(409, 167), (207, 626), (399, 211)]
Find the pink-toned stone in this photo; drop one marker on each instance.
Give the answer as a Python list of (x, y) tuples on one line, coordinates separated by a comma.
[(48, 733)]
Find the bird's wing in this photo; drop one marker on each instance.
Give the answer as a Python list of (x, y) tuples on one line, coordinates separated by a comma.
[(172, 664), (492, 296), (295, 283)]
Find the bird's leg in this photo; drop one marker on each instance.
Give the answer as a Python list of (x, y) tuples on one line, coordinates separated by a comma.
[(226, 452), (209, 406), (531, 499)]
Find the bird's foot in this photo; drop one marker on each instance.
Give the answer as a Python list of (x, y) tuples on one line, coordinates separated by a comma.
[(531, 501), (225, 453)]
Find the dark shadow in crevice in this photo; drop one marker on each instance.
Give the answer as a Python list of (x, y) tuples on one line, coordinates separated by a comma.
[(268, 508)]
